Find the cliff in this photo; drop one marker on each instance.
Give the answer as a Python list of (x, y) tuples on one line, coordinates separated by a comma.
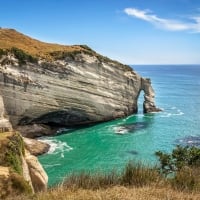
[(20, 172), (60, 85)]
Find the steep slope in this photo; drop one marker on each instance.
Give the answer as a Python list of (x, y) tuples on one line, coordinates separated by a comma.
[(53, 84)]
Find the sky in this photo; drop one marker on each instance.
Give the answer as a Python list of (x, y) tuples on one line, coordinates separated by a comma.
[(130, 31)]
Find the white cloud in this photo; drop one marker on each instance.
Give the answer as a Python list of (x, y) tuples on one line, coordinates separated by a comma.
[(167, 24)]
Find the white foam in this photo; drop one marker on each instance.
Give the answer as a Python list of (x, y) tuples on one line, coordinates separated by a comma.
[(53, 165), (173, 111), (56, 146)]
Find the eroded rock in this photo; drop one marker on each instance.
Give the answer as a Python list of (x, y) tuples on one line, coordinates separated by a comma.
[(38, 176), (149, 95), (36, 147)]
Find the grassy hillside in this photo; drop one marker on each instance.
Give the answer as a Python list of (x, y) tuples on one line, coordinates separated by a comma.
[(10, 38), (136, 182)]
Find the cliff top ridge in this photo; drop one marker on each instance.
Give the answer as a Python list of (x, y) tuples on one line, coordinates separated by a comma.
[(10, 38)]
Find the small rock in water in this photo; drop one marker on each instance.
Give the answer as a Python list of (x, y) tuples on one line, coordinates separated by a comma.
[(130, 128), (133, 152), (190, 141)]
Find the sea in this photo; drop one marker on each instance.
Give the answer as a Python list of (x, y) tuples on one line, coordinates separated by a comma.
[(111, 145)]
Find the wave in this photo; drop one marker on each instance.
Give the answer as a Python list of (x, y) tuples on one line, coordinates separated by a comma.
[(56, 146), (49, 166), (173, 111)]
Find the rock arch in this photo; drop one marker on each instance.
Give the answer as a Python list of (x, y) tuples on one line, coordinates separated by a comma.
[(149, 95)]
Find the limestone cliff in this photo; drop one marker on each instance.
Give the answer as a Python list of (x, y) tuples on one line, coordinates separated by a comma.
[(64, 85), (149, 95)]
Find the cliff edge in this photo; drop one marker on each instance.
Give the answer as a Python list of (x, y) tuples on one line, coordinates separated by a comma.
[(52, 84)]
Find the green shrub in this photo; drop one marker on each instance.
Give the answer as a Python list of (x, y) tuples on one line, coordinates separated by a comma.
[(13, 153), (19, 184), (184, 166), (23, 57), (180, 157), (2, 52)]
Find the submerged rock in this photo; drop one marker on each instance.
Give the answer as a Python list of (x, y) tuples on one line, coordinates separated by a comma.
[(189, 141), (133, 152), (130, 128)]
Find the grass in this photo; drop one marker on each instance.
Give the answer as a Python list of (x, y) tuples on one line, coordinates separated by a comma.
[(11, 151), (133, 175), (33, 49), (135, 182)]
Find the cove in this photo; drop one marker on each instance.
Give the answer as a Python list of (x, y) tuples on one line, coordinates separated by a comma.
[(110, 145)]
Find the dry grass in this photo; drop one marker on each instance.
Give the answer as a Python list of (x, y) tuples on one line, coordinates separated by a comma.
[(113, 193), (10, 38), (135, 183)]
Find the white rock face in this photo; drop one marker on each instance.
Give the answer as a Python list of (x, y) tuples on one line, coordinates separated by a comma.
[(149, 95), (69, 92), (39, 178), (5, 125)]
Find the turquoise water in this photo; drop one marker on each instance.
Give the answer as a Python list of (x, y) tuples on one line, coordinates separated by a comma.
[(101, 147)]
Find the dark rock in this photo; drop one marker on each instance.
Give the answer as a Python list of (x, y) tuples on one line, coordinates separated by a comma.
[(189, 141), (133, 152), (130, 128), (36, 130)]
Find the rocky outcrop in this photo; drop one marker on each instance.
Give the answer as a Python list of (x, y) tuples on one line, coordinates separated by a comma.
[(36, 130), (19, 170), (36, 147), (39, 178), (5, 125), (149, 95)]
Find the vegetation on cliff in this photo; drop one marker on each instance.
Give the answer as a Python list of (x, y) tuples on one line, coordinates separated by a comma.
[(11, 152), (136, 181), (29, 49)]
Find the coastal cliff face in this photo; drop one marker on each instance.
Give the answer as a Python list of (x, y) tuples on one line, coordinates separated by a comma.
[(68, 92), (66, 88)]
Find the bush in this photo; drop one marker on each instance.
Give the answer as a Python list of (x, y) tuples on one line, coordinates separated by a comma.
[(22, 56), (2, 52), (179, 158), (184, 166)]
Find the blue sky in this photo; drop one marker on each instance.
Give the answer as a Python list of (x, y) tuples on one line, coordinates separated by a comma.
[(130, 31)]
